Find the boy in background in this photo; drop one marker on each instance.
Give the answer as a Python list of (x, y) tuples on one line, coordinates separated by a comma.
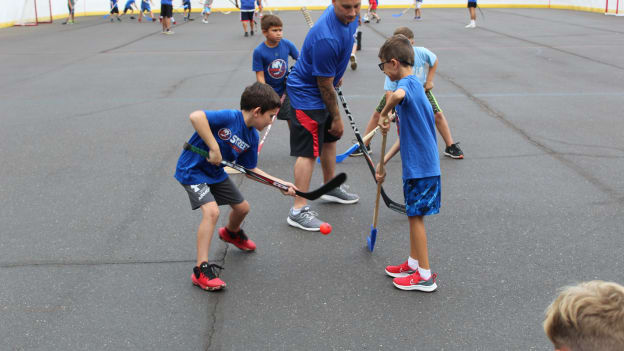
[(231, 135), (587, 317), (166, 12), (419, 158), (130, 6), (206, 11), (70, 8), (146, 6), (187, 10), (114, 10), (422, 58), (270, 61), (417, 6), (472, 10), (247, 9)]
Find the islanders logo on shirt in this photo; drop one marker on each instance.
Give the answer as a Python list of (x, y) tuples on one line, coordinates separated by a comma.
[(277, 69), (225, 134)]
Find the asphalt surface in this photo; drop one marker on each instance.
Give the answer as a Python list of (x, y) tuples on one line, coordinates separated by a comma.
[(97, 240)]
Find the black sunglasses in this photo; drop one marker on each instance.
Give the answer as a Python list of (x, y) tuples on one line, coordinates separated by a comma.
[(381, 65)]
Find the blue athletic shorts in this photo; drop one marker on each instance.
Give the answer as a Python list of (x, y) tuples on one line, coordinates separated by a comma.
[(422, 196)]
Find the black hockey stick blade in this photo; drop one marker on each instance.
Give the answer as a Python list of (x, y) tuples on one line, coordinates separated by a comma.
[(395, 206), (325, 188)]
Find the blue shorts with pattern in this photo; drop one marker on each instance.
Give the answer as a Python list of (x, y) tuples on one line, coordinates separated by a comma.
[(422, 196)]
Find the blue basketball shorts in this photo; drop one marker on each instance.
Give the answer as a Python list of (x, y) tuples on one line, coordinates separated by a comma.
[(422, 196)]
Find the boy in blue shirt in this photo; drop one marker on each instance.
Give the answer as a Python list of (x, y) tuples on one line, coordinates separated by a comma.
[(146, 6), (187, 10), (130, 6), (425, 66), (166, 12), (114, 10), (231, 135), (419, 157), (247, 9), (270, 61)]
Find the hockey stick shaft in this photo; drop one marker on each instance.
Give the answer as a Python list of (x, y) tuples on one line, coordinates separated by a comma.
[(395, 206), (269, 127), (312, 195)]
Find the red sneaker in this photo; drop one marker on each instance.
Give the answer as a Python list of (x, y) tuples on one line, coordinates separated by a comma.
[(416, 282), (205, 277), (239, 239), (402, 270)]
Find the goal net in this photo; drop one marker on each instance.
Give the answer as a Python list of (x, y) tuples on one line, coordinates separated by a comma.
[(34, 12), (614, 7)]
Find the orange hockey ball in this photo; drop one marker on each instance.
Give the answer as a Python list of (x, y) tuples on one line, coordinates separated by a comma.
[(326, 228)]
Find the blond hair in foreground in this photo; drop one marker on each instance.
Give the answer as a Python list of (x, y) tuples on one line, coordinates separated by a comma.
[(587, 317)]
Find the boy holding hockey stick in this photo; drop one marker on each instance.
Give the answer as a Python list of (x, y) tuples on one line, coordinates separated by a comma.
[(420, 160), (231, 135)]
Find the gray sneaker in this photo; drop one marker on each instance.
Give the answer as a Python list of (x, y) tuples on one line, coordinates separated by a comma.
[(306, 220), (340, 195)]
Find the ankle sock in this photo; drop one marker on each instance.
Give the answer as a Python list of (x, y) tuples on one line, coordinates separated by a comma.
[(412, 263), (425, 274), (295, 211)]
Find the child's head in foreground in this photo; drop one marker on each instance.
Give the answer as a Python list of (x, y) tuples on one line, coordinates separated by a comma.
[(262, 102), (587, 317)]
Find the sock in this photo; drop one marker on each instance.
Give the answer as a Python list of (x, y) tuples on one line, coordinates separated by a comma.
[(424, 273), (295, 211), (412, 263), (472, 22)]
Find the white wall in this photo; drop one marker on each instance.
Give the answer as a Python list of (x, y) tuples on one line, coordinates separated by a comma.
[(11, 9)]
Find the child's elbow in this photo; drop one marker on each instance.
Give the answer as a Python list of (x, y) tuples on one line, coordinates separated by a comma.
[(195, 116)]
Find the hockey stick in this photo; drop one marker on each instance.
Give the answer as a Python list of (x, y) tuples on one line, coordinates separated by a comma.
[(373, 235), (341, 157), (269, 127), (311, 195), (399, 15), (371, 165)]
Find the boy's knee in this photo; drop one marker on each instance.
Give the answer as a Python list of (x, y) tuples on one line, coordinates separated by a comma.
[(211, 213), (242, 208)]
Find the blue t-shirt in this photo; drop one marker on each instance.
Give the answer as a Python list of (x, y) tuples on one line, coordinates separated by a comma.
[(129, 3), (237, 142), (274, 62), (422, 58), (113, 3), (166, 2), (247, 5), (419, 148), (325, 53)]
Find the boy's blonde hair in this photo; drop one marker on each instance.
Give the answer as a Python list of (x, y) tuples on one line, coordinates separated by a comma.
[(397, 47), (405, 31), (588, 316)]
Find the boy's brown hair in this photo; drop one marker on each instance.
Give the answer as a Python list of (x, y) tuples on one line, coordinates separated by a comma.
[(259, 95), (588, 317), (405, 31), (397, 47), (269, 21)]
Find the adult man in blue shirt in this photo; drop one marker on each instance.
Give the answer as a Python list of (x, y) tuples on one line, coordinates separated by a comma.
[(316, 123)]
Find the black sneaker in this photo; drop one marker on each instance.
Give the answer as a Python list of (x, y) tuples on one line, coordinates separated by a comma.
[(454, 151), (252, 33), (246, 34), (359, 152)]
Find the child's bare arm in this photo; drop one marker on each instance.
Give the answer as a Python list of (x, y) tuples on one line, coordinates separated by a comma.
[(432, 70), (393, 100), (201, 125), (260, 77), (291, 186)]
